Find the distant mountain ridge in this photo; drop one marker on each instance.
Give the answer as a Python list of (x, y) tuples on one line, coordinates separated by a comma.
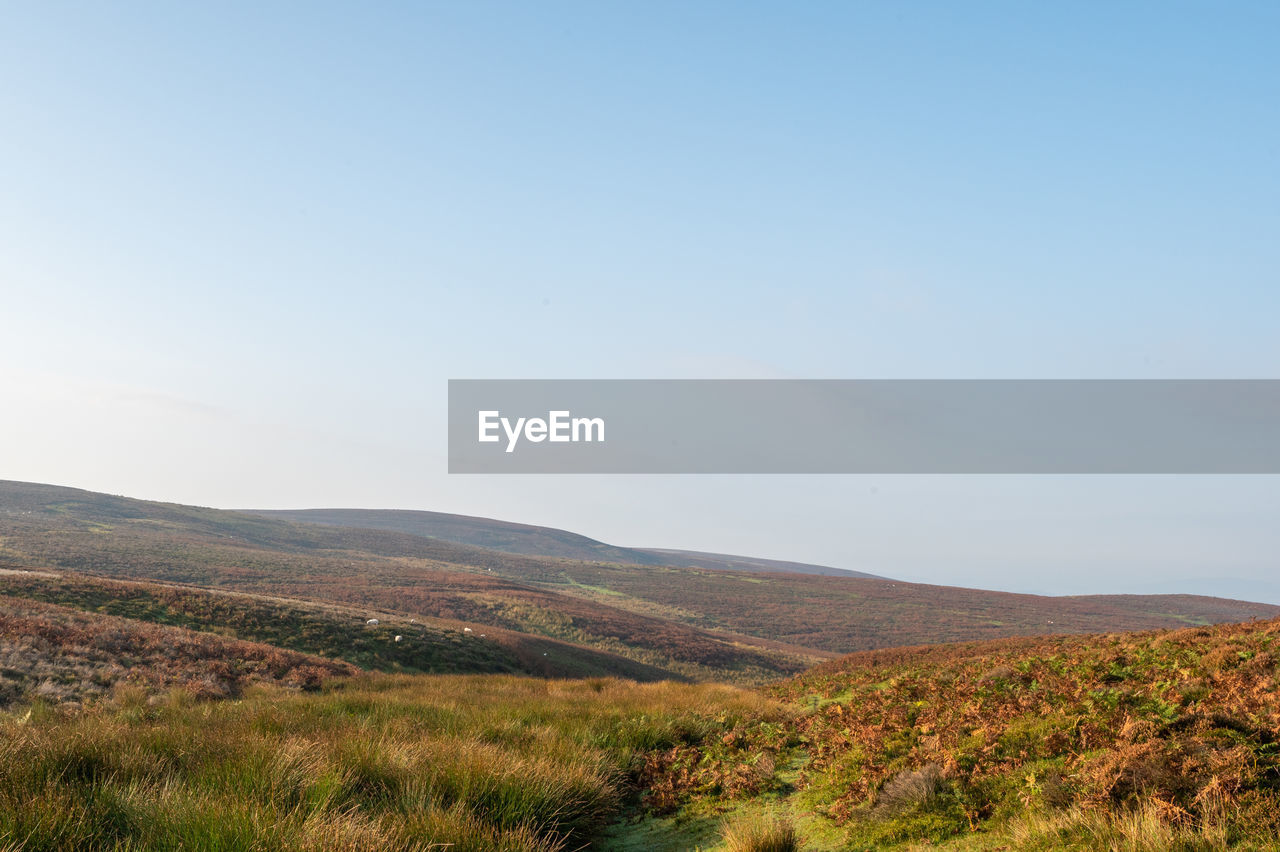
[(531, 540)]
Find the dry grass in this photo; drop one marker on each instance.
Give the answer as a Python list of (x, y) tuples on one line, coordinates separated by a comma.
[(1145, 828), (761, 833), (910, 788), (378, 763)]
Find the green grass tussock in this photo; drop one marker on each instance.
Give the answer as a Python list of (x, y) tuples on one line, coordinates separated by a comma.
[(382, 762)]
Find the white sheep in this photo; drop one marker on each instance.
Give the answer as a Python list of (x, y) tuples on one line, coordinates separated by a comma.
[(373, 622), (398, 638)]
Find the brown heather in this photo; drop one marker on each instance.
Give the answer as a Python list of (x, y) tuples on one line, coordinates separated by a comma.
[(60, 655), (1177, 727)]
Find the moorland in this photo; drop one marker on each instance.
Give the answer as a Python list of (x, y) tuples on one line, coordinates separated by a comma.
[(177, 677)]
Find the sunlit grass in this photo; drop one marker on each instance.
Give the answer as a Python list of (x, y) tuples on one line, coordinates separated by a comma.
[(386, 763), (761, 833)]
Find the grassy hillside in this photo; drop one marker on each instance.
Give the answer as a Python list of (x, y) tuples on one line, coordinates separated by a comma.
[(486, 764), (1145, 742), (836, 613), (1148, 741), (756, 565), (117, 725), (66, 657), (425, 645), (1167, 740), (699, 623), (531, 540), (43, 527), (488, 533)]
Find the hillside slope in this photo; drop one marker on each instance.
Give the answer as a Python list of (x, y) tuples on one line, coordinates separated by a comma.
[(64, 656), (397, 643), (68, 529), (1154, 741), (853, 613), (1183, 724), (505, 536), (699, 623), (753, 564), (529, 540)]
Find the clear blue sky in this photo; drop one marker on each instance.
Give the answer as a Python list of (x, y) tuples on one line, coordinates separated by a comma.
[(242, 248)]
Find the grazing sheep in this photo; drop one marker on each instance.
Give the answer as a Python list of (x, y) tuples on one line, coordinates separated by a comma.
[(373, 622), (398, 638), (466, 630)]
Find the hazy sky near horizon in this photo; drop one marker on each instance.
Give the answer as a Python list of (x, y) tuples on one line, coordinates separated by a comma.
[(243, 247)]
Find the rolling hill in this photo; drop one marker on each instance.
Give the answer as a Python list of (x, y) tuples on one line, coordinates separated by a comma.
[(529, 540), (1140, 741), (124, 624), (397, 643), (112, 537), (63, 656), (1156, 740), (691, 622), (1147, 741)]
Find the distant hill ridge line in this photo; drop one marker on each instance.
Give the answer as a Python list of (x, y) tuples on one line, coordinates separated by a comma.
[(749, 626), (533, 540)]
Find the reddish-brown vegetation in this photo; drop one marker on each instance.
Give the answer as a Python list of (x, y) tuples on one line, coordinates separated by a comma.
[(697, 623), (61, 655), (1189, 720)]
